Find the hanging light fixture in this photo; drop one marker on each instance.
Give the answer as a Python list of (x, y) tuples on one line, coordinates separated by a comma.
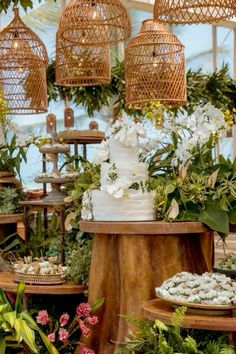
[(198, 11), (81, 65), (94, 22), (154, 67), (23, 63)]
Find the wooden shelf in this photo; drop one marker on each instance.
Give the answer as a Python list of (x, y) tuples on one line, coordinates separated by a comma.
[(43, 203), (11, 218), (158, 309), (143, 228), (67, 288)]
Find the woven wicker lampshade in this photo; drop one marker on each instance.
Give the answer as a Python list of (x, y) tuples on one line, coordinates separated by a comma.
[(154, 67), (80, 65), (23, 63), (198, 11), (95, 22)]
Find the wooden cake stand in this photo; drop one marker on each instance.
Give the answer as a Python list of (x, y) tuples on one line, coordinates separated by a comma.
[(130, 259)]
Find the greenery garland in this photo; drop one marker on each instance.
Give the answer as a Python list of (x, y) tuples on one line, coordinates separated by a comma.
[(25, 4), (218, 88)]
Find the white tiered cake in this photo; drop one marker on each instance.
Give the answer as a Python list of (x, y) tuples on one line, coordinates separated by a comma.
[(123, 196)]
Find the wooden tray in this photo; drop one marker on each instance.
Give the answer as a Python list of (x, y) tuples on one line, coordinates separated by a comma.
[(201, 309)]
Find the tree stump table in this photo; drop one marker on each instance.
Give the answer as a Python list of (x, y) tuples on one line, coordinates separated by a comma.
[(129, 259)]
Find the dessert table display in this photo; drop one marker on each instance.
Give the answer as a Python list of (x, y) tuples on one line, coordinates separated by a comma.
[(130, 259)]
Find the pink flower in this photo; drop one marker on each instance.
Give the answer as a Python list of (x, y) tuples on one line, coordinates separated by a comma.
[(83, 309), (64, 319), (43, 317), (63, 335), (86, 350), (92, 320), (51, 337), (85, 330)]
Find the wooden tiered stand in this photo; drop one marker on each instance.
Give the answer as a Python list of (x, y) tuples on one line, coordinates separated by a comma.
[(82, 137), (130, 259)]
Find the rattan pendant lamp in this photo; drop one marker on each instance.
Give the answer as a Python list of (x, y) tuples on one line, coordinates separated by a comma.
[(94, 22), (154, 68), (193, 11), (23, 63), (81, 65)]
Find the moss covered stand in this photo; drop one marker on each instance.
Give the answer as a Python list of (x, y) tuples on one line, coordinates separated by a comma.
[(129, 259)]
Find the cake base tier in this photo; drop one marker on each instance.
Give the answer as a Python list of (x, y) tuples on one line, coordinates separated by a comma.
[(137, 206)]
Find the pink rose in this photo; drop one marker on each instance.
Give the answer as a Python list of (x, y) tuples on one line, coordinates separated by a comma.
[(43, 317), (83, 309), (92, 320), (86, 350), (85, 330), (63, 335), (51, 337), (64, 319)]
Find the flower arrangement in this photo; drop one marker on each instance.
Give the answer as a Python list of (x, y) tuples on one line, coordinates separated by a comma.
[(13, 143), (64, 333), (190, 181)]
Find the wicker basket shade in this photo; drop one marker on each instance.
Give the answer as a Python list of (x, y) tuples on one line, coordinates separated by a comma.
[(23, 63), (198, 11), (95, 22), (78, 65), (154, 67)]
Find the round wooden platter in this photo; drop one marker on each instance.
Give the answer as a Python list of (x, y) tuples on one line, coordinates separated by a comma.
[(211, 310), (161, 310), (86, 136)]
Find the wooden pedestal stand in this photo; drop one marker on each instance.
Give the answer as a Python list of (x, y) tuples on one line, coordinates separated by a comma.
[(130, 259)]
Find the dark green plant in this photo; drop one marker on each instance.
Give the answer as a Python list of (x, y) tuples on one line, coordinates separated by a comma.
[(78, 260), (40, 238), (9, 198), (158, 338)]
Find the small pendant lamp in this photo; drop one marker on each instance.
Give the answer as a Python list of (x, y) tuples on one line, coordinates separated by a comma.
[(81, 65), (23, 64), (154, 68), (95, 22), (197, 11)]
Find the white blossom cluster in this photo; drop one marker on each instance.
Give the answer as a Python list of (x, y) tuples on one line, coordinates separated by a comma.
[(123, 130), (195, 131), (208, 288), (86, 211), (127, 132), (14, 129)]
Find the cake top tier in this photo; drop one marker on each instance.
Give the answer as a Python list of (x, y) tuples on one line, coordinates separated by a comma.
[(122, 146)]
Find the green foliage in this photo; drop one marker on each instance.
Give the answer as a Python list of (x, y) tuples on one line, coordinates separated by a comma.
[(9, 198), (218, 88), (17, 327), (158, 338), (78, 260), (40, 238)]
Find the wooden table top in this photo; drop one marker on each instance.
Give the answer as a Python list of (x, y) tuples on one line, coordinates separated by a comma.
[(143, 227), (67, 288), (158, 309), (11, 218)]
